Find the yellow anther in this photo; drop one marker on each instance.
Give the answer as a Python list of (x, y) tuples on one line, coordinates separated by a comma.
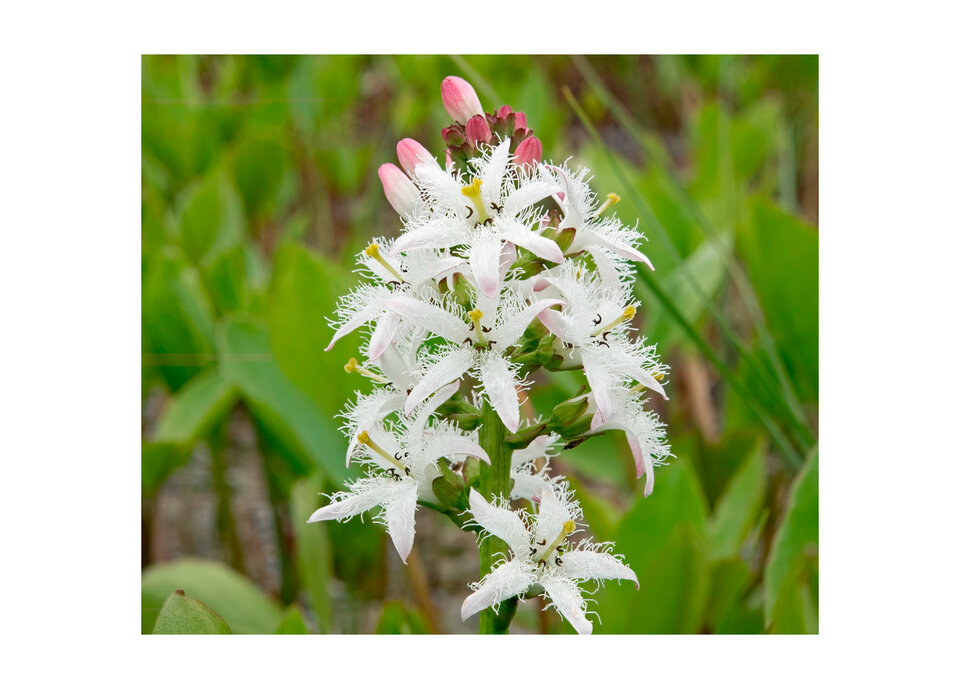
[(472, 192), (611, 199), (364, 437), (565, 530), (353, 367), (373, 251), (659, 376), (627, 314), (475, 317)]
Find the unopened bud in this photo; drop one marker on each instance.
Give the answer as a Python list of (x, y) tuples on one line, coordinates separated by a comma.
[(519, 121), (410, 154), (460, 99), (504, 111), (529, 152), (478, 131), (399, 190)]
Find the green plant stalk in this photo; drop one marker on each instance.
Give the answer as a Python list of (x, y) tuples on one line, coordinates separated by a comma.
[(494, 482), (743, 285), (226, 526)]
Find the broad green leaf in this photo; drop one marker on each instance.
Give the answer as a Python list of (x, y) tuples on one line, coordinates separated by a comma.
[(662, 540), (781, 254), (706, 266), (303, 295), (292, 622), (795, 611), (182, 614), (793, 555), (241, 604), (210, 217), (397, 619), (195, 409), (259, 163), (157, 462), (730, 609), (177, 320), (736, 512), (225, 277), (309, 436), (314, 557)]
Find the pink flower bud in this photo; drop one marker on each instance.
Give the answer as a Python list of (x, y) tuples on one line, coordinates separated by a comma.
[(411, 154), (529, 152), (478, 131), (399, 190), (504, 111), (520, 121), (460, 99)]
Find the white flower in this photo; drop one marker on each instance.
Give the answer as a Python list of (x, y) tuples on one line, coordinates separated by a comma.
[(478, 347), (401, 465), (493, 209), (530, 481), (541, 556), (594, 323), (646, 434)]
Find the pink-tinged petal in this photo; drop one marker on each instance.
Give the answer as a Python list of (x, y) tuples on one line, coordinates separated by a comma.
[(430, 317), (540, 284), (500, 387), (566, 598), (503, 523), (383, 334), (504, 111), (506, 581), (520, 121), (411, 153), (529, 152), (449, 368), (508, 333), (557, 323), (459, 99), (587, 564), (534, 243), (478, 131), (399, 190), (507, 257), (485, 263), (400, 515)]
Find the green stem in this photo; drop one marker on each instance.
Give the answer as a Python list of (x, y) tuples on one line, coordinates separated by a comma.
[(494, 482)]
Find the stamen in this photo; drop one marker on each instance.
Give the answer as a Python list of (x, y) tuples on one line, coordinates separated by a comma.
[(472, 192), (353, 367), (568, 527), (476, 315), (627, 314), (365, 438), (611, 199), (373, 251)]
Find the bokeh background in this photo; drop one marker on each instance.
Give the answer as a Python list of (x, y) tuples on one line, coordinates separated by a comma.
[(259, 186)]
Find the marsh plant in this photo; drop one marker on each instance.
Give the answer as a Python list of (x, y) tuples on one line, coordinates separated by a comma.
[(507, 269)]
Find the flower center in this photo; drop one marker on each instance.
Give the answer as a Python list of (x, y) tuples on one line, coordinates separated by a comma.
[(627, 314), (472, 192), (475, 317), (353, 367), (373, 251), (611, 199), (566, 530), (364, 437)]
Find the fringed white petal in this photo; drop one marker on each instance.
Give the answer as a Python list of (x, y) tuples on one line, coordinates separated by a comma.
[(399, 514), (565, 596), (502, 523), (383, 334), (429, 317), (506, 581), (590, 564), (485, 263), (537, 244), (558, 323), (449, 368), (363, 495), (500, 387), (512, 328)]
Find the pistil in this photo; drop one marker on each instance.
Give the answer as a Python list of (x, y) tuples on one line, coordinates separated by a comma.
[(472, 192), (568, 527), (627, 314), (373, 251), (365, 438), (476, 316), (611, 199), (353, 367)]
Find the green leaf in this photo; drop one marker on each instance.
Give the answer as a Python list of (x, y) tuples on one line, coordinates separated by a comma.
[(303, 295), (396, 619), (292, 622), (225, 277), (157, 462), (782, 258), (793, 556), (259, 163), (738, 507), (182, 614), (730, 610), (662, 540), (309, 436), (314, 556), (241, 604), (195, 409), (177, 320), (210, 217)]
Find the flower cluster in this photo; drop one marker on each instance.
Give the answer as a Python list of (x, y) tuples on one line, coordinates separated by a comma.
[(505, 265)]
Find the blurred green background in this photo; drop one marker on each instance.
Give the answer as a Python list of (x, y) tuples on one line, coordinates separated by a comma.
[(259, 185)]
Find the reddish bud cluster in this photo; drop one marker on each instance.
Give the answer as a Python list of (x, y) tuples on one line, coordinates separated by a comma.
[(463, 141)]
